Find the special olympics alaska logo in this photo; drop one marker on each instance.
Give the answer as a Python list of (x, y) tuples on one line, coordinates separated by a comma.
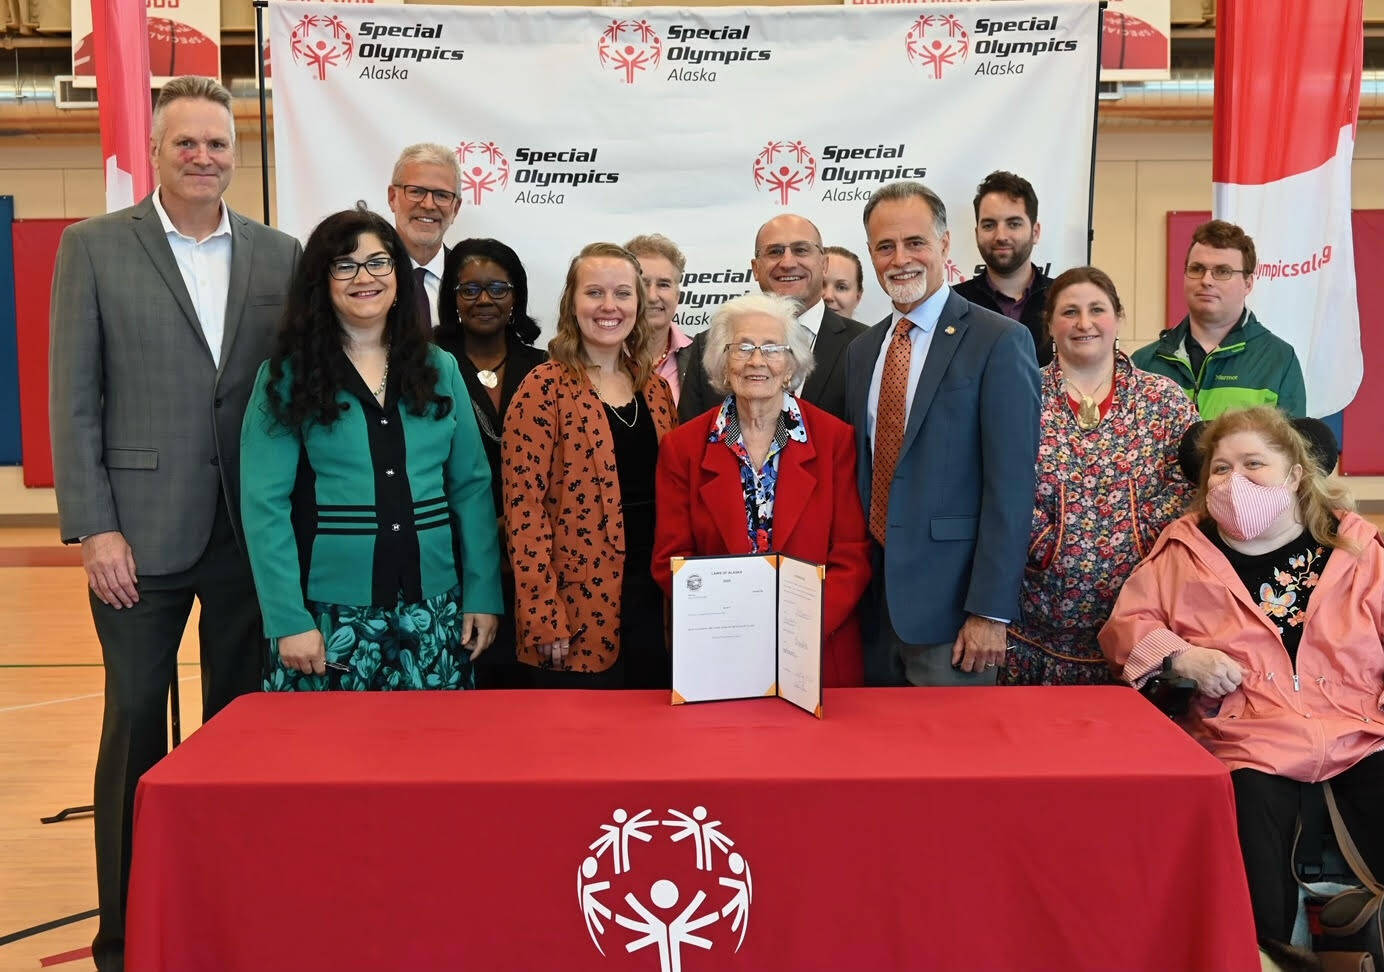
[(937, 41), (484, 168), (629, 46), (322, 42), (655, 908), (784, 168)]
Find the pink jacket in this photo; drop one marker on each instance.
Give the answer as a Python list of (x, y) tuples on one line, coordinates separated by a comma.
[(1307, 725)]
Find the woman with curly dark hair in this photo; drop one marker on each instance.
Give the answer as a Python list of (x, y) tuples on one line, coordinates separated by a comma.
[(364, 488), (483, 320)]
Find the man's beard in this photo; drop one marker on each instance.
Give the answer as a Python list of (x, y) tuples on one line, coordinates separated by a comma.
[(907, 292), (1016, 258)]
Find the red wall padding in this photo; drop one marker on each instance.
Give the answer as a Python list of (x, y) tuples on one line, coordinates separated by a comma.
[(35, 248), (1362, 452)]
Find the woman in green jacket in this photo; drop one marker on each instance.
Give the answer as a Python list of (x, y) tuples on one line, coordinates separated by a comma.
[(365, 490)]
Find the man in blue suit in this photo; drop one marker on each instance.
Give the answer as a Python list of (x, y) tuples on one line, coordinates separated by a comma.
[(944, 399)]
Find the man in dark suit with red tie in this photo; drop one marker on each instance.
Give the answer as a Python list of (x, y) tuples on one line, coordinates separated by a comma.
[(424, 196), (944, 399)]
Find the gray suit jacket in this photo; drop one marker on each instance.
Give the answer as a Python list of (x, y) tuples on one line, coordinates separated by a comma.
[(145, 426), (825, 388), (961, 502)]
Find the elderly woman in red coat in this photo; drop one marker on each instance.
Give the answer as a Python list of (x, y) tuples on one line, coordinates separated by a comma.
[(767, 471)]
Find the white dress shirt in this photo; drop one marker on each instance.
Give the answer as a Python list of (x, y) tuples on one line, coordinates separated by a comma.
[(432, 279), (924, 318), (810, 321), (206, 269)]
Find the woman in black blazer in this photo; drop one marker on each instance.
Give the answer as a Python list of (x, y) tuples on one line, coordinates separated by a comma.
[(483, 320)]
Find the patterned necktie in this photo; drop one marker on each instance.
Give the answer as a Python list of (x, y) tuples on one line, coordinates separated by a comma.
[(425, 314), (890, 413)]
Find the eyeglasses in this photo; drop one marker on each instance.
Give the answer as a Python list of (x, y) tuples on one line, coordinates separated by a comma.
[(1195, 271), (771, 352), (497, 289), (801, 249), (344, 269), (441, 197)]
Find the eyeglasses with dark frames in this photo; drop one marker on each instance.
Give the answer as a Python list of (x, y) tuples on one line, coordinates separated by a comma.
[(441, 197), (1196, 271), (346, 268), (497, 289)]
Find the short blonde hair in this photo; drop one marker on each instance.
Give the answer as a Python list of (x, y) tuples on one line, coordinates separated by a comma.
[(656, 244), (718, 335), (190, 86)]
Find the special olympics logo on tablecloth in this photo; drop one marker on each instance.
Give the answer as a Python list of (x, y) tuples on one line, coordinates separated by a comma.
[(628, 46), (936, 42), (321, 42), (784, 168), (685, 888), (484, 168)]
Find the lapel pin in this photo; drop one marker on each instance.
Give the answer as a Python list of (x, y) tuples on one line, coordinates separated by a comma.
[(951, 329)]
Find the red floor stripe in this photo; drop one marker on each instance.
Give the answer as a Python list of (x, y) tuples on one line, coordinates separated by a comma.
[(64, 957), (41, 556)]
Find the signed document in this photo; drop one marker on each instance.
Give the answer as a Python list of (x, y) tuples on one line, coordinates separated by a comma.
[(747, 626)]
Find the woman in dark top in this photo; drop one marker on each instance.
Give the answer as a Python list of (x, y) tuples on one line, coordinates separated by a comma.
[(579, 451), (484, 321)]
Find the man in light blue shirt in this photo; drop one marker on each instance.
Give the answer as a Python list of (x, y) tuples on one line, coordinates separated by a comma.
[(944, 399)]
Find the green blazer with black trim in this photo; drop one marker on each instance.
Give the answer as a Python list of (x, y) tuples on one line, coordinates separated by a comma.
[(379, 507)]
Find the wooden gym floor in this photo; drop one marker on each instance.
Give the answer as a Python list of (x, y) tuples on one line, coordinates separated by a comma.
[(50, 721)]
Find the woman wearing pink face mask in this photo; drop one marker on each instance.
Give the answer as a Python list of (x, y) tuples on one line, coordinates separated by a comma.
[(1270, 596)]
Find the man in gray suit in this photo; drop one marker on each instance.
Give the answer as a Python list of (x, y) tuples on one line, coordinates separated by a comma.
[(161, 314), (944, 399), (789, 261)]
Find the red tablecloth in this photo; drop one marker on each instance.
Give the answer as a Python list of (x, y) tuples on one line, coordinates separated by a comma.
[(911, 828)]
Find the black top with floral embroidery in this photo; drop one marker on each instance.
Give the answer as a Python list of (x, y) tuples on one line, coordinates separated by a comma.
[(1280, 581)]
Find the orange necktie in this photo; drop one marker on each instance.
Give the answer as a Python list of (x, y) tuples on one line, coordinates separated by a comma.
[(889, 422)]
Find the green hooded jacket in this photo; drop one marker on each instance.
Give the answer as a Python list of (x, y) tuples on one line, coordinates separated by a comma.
[(1251, 366)]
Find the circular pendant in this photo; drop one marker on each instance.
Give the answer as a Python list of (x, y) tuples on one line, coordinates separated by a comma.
[(488, 378)]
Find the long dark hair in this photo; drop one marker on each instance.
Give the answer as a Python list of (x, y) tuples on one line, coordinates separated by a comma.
[(521, 326), (309, 339)]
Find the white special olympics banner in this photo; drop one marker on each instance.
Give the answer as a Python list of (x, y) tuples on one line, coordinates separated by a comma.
[(582, 124)]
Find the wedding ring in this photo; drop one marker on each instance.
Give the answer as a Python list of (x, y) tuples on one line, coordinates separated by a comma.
[(989, 664)]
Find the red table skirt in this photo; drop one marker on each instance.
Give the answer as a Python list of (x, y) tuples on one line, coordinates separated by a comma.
[(1061, 828)]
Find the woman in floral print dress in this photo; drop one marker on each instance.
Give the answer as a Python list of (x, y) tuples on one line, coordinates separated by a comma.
[(1108, 483)]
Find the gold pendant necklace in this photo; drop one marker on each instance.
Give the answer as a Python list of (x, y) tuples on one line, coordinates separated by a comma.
[(490, 377), (1088, 415)]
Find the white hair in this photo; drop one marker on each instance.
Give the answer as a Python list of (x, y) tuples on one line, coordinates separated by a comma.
[(718, 335), (428, 153)]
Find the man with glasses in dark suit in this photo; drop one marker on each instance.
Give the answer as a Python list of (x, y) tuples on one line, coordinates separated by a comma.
[(161, 315), (789, 261), (424, 198)]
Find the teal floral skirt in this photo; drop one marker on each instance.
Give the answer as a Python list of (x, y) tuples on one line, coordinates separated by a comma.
[(409, 646)]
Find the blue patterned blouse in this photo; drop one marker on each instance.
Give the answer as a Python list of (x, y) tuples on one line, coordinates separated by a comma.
[(759, 485)]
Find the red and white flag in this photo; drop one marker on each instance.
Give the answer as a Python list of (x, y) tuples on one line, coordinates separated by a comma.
[(1287, 100), (121, 52)]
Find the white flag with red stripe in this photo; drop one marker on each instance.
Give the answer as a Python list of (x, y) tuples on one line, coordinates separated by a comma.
[(1287, 100), (122, 90)]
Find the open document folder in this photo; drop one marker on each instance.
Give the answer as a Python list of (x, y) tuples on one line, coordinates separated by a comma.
[(747, 626)]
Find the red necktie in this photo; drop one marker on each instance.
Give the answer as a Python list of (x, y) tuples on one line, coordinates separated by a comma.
[(890, 413)]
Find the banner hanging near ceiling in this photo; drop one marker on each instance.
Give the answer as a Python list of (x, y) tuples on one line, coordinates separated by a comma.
[(184, 38), (575, 124)]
